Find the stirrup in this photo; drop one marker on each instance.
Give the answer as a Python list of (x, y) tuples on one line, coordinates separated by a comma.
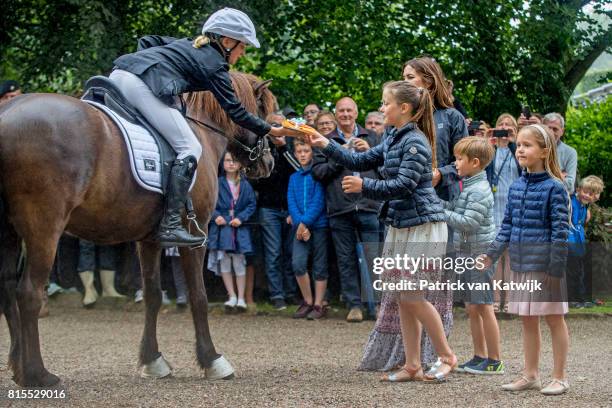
[(191, 217)]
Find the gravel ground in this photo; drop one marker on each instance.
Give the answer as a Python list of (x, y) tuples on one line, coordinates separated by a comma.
[(284, 362)]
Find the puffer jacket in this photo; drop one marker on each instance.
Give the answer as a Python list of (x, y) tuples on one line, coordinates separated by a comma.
[(471, 215), (535, 226), (306, 200), (404, 161)]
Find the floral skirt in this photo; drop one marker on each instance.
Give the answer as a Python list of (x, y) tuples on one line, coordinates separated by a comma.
[(418, 253), (384, 349)]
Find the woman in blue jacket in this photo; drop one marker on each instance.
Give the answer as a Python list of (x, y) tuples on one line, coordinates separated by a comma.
[(165, 67), (230, 240)]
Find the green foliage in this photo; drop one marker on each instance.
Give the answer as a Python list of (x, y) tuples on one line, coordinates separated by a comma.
[(589, 131), (600, 225), (498, 53)]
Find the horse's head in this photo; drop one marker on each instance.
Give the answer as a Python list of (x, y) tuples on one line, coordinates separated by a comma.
[(251, 151)]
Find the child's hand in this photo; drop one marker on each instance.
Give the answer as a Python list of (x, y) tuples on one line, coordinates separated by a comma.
[(235, 223), (360, 145), (316, 139), (220, 221), (289, 220), (437, 177), (352, 184), (483, 262), (300, 232)]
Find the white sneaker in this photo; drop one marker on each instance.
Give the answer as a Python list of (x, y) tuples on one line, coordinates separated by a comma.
[(231, 302), (241, 304), (138, 297), (165, 299), (54, 289)]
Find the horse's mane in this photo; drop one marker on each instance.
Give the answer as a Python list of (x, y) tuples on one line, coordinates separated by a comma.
[(203, 105)]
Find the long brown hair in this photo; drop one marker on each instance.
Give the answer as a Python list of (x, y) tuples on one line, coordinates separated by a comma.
[(436, 82), (422, 110)]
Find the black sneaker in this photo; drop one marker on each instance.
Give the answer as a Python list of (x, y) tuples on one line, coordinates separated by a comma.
[(279, 304), (473, 362)]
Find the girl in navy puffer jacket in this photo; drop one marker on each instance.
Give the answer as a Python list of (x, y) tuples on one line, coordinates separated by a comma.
[(535, 229), (413, 213)]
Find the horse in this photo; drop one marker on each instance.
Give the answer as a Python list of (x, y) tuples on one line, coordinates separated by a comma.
[(64, 167)]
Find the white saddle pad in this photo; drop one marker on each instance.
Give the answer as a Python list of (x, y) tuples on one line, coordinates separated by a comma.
[(145, 159)]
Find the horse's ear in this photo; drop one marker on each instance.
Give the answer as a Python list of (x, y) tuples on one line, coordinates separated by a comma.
[(260, 87)]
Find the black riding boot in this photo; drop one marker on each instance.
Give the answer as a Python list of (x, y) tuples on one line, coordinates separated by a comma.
[(171, 231)]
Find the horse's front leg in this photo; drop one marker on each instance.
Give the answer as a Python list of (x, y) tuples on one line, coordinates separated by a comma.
[(152, 362), (215, 365)]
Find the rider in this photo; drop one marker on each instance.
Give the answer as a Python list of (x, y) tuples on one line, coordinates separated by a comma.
[(164, 67)]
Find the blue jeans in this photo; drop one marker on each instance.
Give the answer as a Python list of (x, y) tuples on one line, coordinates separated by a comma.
[(344, 229), (277, 242), (317, 245)]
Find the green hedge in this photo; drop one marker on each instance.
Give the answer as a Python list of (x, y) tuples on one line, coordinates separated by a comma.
[(589, 131)]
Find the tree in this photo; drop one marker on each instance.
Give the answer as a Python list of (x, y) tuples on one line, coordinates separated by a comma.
[(55, 45), (499, 53)]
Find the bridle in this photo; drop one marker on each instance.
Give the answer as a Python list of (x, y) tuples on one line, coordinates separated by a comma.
[(255, 153)]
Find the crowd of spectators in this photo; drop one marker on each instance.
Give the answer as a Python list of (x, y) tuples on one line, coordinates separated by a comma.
[(301, 211)]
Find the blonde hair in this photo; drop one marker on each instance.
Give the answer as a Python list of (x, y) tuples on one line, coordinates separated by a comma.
[(507, 116), (437, 84), (475, 147), (592, 183), (422, 109), (546, 140), (200, 41), (325, 113)]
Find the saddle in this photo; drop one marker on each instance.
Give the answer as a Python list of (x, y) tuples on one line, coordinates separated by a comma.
[(102, 93)]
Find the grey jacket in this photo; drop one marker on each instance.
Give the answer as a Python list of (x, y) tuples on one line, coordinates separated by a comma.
[(568, 161), (471, 215)]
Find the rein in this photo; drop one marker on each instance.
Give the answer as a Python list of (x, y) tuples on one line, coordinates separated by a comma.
[(255, 152)]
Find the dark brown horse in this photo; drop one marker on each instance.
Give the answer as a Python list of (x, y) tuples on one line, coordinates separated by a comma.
[(64, 167)]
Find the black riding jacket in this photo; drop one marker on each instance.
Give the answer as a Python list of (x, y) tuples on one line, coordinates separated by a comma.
[(171, 66)]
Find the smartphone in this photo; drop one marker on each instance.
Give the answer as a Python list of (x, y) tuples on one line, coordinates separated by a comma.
[(526, 111), (474, 126), (500, 133)]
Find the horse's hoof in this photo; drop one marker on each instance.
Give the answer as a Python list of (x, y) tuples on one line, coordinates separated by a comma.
[(159, 368), (221, 369), (42, 380)]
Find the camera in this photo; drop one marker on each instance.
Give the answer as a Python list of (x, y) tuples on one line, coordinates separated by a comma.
[(500, 133)]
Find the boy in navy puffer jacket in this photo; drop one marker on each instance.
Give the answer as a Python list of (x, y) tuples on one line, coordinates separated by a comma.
[(306, 201)]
